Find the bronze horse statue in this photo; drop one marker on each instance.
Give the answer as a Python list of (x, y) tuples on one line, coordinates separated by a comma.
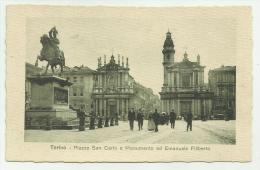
[(50, 51)]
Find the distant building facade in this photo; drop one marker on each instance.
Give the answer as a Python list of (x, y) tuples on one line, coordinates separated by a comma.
[(30, 70), (222, 82), (183, 87), (144, 98), (81, 90)]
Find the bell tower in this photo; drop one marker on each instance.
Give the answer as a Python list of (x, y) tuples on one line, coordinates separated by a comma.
[(168, 55)]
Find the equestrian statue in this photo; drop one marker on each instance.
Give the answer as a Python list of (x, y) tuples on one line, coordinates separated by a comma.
[(50, 51)]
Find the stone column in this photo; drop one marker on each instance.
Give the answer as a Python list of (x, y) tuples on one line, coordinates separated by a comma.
[(178, 107), (210, 107), (127, 106), (165, 76), (108, 110), (193, 79), (199, 107), (117, 106), (98, 80), (173, 106), (190, 80), (123, 108), (96, 106), (100, 106), (178, 79), (166, 105), (163, 108), (161, 105), (169, 108), (105, 107), (193, 107), (168, 77), (117, 79), (201, 82), (205, 106), (202, 77), (105, 79), (171, 78)]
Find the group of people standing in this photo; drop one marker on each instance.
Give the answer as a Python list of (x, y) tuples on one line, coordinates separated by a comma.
[(155, 119), (99, 121)]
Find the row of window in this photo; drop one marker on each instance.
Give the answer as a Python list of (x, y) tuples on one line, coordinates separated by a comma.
[(76, 91), (225, 77), (75, 79), (225, 91)]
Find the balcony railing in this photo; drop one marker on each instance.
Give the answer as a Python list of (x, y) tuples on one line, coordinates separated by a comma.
[(183, 89), (113, 90)]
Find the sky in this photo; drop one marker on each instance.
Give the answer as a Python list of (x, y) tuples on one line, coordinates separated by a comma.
[(139, 34)]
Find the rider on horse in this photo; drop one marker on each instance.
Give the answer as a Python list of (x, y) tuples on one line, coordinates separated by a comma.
[(50, 51)]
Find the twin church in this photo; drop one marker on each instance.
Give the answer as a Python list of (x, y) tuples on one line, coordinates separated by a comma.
[(183, 87)]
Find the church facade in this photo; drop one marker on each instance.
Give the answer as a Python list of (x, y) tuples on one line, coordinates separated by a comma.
[(183, 87), (113, 88)]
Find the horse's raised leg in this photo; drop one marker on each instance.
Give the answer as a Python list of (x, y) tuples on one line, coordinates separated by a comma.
[(47, 68)]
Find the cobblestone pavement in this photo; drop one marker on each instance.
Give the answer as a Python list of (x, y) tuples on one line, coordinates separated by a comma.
[(209, 132)]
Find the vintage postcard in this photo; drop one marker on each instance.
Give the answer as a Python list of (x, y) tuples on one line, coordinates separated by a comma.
[(128, 84)]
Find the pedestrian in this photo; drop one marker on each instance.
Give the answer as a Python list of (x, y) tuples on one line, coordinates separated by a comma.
[(92, 122), (116, 119), (100, 122), (189, 121), (172, 118), (48, 123), (167, 118), (140, 119), (151, 124), (81, 115), (156, 118), (106, 122), (131, 118), (112, 121)]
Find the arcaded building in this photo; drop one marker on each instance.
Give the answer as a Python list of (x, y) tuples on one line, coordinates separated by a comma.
[(183, 87), (113, 88), (222, 82)]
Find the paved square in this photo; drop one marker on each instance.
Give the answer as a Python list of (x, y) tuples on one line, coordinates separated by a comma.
[(208, 132)]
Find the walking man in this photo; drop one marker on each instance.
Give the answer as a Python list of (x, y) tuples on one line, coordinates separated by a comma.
[(140, 119), (156, 118), (172, 118), (81, 115), (131, 118), (189, 121)]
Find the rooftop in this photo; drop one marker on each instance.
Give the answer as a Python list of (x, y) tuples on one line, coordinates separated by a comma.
[(225, 68)]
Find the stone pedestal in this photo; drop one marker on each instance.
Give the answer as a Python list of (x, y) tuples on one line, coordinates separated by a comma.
[(49, 107)]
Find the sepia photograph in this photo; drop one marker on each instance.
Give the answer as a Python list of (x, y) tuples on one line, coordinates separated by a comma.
[(164, 80), (90, 75)]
